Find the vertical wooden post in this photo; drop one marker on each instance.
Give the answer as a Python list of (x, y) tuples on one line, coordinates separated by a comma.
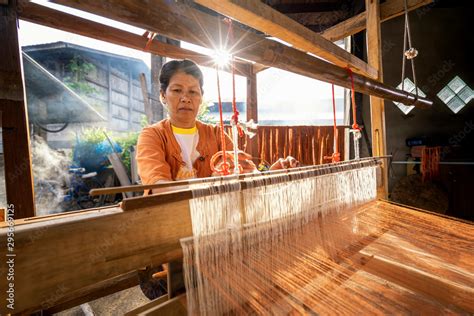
[(130, 99), (252, 110), (109, 103), (377, 108), (156, 64), (16, 142)]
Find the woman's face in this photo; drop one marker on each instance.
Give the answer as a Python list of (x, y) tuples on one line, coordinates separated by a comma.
[(182, 98)]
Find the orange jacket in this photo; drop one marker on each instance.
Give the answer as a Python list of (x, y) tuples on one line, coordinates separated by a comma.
[(159, 154)]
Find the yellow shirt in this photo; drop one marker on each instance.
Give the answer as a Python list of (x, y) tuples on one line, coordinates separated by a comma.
[(187, 139)]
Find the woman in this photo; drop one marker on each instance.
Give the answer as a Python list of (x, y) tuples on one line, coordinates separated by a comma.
[(181, 147)]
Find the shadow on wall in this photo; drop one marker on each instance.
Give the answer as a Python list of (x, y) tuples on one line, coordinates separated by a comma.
[(439, 34)]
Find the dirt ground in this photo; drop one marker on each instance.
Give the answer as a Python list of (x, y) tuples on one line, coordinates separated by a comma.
[(115, 304)]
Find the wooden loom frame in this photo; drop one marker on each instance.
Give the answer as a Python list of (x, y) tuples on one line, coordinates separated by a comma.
[(102, 238), (17, 161), (264, 52), (98, 258), (116, 261)]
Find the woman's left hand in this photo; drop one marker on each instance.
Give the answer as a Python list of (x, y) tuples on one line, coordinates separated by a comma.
[(285, 163)]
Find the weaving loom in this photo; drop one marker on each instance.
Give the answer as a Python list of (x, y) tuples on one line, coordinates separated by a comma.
[(315, 240), (312, 240), (322, 244)]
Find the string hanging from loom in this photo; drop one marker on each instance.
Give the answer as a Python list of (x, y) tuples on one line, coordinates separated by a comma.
[(234, 122), (336, 156), (354, 105), (230, 37), (355, 130), (224, 169), (236, 129), (306, 247), (276, 216), (411, 53)]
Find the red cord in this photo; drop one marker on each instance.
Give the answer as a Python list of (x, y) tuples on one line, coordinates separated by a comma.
[(225, 166), (150, 36), (336, 156), (217, 156), (235, 116), (354, 106)]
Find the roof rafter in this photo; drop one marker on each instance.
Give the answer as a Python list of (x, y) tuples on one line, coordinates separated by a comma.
[(182, 22), (39, 14), (268, 20), (388, 10), (326, 6)]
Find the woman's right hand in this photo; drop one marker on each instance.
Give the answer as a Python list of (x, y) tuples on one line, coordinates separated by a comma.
[(245, 161)]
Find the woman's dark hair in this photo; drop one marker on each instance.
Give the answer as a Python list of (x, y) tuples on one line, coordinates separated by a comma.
[(172, 67)]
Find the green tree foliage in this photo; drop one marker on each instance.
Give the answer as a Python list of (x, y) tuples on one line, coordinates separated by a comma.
[(79, 68), (203, 114)]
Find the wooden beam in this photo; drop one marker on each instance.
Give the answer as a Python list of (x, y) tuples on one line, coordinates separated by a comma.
[(346, 28), (176, 306), (130, 104), (252, 113), (142, 310), (14, 120), (388, 10), (269, 21), (42, 15), (320, 20), (109, 91), (257, 68), (324, 6), (156, 64), (64, 253), (252, 101), (377, 107), (418, 281), (181, 22), (146, 99), (93, 292)]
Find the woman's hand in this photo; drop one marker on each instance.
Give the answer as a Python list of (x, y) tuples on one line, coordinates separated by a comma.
[(245, 161), (285, 163)]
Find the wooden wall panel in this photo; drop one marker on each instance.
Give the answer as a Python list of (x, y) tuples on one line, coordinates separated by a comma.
[(308, 144)]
